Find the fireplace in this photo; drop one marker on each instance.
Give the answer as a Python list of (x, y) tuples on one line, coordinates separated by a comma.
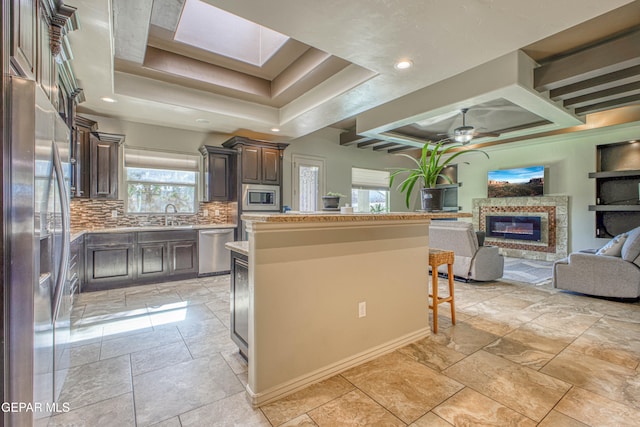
[(514, 227)]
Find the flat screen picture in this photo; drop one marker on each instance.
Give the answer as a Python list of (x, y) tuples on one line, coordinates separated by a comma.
[(520, 182)]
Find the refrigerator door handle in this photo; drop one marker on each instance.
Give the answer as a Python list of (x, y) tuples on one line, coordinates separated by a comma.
[(64, 208)]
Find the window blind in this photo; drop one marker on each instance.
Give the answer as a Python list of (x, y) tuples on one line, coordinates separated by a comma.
[(151, 159), (369, 179)]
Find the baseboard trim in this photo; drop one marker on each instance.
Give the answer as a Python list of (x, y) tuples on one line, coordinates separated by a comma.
[(291, 386)]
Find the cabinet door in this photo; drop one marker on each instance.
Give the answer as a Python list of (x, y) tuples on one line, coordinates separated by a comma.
[(240, 302), (152, 260), (80, 166), (184, 258), (23, 49), (271, 166), (109, 265), (104, 169), (252, 164), (219, 177)]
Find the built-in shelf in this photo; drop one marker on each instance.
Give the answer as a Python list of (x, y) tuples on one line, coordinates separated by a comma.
[(617, 181), (614, 208), (614, 174)]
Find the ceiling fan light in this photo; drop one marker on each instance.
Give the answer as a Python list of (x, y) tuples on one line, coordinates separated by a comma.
[(463, 134)]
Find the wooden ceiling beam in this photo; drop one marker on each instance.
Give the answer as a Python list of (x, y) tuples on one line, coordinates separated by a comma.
[(384, 146), (607, 81), (402, 148), (608, 105), (608, 57), (604, 95), (351, 137), (369, 142)]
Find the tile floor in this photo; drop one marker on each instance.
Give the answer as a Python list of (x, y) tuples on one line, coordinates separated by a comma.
[(519, 355)]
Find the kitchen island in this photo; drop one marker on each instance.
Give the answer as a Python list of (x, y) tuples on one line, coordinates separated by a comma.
[(329, 291)]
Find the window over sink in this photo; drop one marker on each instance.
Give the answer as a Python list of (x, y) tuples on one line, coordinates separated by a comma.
[(155, 179)]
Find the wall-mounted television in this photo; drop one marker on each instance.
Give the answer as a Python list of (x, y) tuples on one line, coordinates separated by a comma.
[(519, 182)]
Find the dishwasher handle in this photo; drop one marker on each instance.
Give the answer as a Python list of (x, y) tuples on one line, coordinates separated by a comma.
[(221, 231)]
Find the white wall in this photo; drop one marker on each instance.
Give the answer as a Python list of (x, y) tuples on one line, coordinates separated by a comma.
[(338, 162), (324, 144), (568, 159)]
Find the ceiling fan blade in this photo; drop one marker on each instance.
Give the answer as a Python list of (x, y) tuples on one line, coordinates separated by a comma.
[(437, 119), (486, 135)]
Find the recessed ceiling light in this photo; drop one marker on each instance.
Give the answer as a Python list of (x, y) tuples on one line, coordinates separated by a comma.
[(204, 121), (403, 65), (107, 99), (275, 130)]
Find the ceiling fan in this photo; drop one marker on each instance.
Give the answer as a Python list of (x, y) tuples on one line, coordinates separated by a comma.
[(464, 134)]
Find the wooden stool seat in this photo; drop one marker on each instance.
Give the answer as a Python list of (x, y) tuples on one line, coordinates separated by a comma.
[(439, 257)]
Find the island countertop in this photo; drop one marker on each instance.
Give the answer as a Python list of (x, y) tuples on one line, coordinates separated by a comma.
[(351, 217)]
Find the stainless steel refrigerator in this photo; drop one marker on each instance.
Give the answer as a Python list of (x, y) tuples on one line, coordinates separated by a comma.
[(38, 297)]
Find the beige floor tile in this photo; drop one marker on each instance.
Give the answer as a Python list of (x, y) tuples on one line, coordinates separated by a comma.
[(604, 378), (95, 382), (303, 401), (495, 327), (595, 410), (470, 408), (611, 340), (174, 390), (430, 420), (520, 388), (179, 313), (232, 410), (139, 342), (353, 409), (408, 389), (171, 422), (302, 421), (430, 353), (464, 338), (530, 345), (159, 357), (575, 323), (557, 419), (203, 345), (79, 355), (116, 411)]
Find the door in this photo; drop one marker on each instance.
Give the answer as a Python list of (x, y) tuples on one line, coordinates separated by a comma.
[(308, 183), (270, 166), (184, 257), (104, 169), (251, 164)]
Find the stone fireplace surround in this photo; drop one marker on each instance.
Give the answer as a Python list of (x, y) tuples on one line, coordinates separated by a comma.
[(553, 211)]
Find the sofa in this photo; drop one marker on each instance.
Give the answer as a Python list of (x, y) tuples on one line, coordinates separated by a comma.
[(473, 260), (611, 271)]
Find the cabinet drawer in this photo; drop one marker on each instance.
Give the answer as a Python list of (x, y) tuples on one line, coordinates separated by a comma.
[(100, 239), (166, 236)]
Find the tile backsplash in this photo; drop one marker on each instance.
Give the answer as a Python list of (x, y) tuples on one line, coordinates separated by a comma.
[(91, 214)]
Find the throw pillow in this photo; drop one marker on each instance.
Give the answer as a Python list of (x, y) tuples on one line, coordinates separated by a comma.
[(614, 247)]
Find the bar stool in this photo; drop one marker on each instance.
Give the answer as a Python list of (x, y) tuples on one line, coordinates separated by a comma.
[(439, 257)]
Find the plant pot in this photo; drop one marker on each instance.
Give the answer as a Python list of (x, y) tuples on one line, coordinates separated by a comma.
[(330, 202), (432, 199)]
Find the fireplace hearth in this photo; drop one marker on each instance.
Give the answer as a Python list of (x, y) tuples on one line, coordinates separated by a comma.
[(510, 227)]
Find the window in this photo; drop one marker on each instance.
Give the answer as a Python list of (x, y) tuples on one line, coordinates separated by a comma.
[(369, 190), (308, 183), (155, 179)]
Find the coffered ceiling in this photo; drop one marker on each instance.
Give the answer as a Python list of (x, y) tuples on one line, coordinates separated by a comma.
[(520, 67)]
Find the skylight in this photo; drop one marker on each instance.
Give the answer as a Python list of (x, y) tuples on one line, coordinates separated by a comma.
[(212, 29)]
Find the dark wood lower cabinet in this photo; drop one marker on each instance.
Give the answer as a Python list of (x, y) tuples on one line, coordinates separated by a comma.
[(184, 258), (123, 259), (239, 320)]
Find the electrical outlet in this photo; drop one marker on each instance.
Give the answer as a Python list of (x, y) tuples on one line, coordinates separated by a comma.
[(217, 212), (114, 214), (205, 212), (362, 309)]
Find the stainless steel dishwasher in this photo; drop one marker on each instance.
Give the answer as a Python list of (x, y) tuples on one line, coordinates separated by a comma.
[(213, 257)]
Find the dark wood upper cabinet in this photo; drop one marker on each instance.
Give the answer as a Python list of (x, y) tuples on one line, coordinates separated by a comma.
[(219, 174), (104, 168), (260, 161), (23, 46)]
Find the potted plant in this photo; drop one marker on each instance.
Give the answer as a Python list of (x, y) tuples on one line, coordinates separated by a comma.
[(428, 168), (331, 200)]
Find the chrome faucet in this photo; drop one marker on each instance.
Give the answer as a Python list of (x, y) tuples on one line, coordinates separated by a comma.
[(166, 213)]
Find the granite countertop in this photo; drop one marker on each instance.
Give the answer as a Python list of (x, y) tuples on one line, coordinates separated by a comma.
[(350, 217), (241, 246), (77, 233)]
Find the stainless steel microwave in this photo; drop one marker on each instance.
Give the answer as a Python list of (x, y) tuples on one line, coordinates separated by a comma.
[(256, 197)]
